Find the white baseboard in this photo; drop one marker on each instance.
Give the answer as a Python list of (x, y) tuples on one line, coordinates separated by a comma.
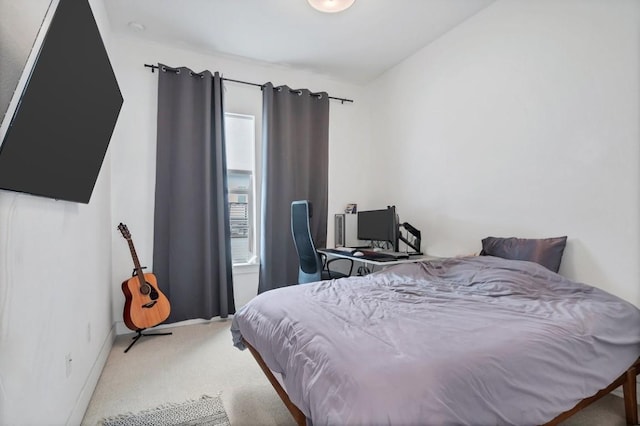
[(121, 328), (75, 418)]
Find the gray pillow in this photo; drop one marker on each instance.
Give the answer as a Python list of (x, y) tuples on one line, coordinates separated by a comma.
[(545, 251)]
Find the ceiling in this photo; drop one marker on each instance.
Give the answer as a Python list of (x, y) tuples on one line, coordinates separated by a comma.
[(354, 46)]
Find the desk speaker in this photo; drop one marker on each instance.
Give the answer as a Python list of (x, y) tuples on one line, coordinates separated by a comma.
[(346, 231)]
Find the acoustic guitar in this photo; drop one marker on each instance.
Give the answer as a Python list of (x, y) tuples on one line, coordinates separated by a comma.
[(145, 306)]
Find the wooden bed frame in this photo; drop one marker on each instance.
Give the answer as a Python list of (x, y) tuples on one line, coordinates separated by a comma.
[(627, 380)]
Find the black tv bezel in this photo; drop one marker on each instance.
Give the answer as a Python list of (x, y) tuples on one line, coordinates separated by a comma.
[(14, 108)]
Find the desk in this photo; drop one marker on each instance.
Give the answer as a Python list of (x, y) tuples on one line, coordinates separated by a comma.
[(373, 262)]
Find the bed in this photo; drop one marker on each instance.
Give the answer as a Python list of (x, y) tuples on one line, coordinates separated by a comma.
[(465, 341)]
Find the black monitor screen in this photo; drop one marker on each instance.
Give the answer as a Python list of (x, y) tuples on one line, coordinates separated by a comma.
[(377, 225)]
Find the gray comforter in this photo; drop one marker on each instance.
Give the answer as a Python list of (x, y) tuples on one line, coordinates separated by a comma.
[(469, 341)]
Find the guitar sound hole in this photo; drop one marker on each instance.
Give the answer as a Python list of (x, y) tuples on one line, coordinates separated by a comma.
[(148, 289)]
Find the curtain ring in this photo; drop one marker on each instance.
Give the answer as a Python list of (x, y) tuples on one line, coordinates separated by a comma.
[(280, 89), (174, 70), (320, 96), (299, 92)]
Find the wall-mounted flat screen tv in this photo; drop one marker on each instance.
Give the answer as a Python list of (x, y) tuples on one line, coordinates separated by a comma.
[(58, 125)]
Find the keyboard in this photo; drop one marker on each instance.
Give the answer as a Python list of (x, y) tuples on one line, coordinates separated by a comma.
[(396, 254), (382, 256), (385, 255)]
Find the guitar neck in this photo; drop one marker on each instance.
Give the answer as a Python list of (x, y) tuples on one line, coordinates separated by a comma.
[(136, 262)]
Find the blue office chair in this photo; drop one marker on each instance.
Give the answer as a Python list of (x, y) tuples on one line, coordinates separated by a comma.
[(314, 266)]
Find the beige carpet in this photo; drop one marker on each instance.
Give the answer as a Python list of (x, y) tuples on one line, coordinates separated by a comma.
[(196, 360), (201, 360)]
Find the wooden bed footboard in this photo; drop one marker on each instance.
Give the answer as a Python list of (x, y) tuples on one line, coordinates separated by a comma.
[(627, 380), (298, 415)]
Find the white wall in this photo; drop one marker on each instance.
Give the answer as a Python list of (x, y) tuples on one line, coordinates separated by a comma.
[(133, 160), (55, 299), (522, 121)]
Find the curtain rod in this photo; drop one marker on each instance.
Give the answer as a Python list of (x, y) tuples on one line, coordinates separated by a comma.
[(342, 100)]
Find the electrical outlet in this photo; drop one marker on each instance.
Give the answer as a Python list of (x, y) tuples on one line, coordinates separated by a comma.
[(67, 362)]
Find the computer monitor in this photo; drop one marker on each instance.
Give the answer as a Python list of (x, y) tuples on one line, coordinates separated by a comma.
[(379, 225)]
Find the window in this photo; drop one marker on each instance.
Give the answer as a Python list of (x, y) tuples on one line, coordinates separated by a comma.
[(240, 146)]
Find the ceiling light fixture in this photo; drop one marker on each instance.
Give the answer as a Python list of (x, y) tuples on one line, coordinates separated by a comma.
[(331, 6)]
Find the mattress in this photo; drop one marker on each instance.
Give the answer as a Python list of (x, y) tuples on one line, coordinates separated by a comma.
[(465, 341)]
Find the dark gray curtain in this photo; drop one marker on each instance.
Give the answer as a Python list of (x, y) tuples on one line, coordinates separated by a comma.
[(192, 246), (295, 153)]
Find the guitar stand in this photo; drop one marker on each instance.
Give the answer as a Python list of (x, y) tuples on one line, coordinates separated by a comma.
[(139, 334)]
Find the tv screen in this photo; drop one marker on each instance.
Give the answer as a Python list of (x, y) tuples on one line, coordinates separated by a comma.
[(377, 225), (59, 123)]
